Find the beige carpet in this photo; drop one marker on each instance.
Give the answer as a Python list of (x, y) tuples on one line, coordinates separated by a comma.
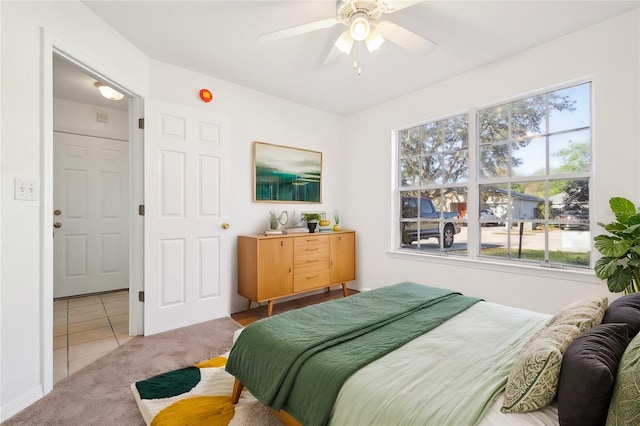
[(100, 394)]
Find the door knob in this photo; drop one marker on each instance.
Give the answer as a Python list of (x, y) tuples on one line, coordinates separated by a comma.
[(225, 225), (57, 225)]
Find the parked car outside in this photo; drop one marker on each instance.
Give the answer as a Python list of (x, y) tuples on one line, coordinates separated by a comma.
[(428, 229), (488, 218), (578, 219)]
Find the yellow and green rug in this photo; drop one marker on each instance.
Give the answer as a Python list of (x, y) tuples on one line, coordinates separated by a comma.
[(198, 395)]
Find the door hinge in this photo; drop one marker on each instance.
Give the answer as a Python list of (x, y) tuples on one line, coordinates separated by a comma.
[(140, 123), (141, 209), (141, 296)]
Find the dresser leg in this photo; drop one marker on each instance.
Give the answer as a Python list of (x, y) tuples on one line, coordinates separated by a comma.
[(344, 289), (269, 308), (248, 304)]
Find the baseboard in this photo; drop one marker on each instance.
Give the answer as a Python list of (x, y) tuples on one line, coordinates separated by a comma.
[(19, 404)]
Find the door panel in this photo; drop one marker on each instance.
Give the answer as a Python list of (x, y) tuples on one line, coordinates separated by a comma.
[(187, 252), (91, 190)]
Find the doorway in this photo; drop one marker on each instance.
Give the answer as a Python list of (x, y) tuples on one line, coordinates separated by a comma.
[(91, 205)]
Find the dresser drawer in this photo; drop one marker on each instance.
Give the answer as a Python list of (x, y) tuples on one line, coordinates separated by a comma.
[(312, 266), (311, 240), (310, 258), (311, 280), (317, 250)]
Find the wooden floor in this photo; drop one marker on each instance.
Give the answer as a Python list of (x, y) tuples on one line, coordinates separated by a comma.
[(247, 317)]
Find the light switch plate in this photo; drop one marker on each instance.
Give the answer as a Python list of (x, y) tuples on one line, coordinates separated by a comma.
[(26, 189)]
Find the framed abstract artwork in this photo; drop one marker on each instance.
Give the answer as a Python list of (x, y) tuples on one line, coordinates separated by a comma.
[(286, 175)]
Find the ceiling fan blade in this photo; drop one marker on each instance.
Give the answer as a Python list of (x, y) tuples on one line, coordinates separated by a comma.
[(404, 38), (333, 56), (390, 6), (299, 29)]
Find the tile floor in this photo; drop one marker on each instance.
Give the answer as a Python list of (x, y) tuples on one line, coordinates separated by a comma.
[(86, 328)]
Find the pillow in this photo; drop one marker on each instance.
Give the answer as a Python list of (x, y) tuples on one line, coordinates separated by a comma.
[(533, 379), (625, 401), (583, 313), (625, 309), (588, 373)]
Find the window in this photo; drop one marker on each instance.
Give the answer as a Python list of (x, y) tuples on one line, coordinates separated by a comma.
[(527, 169), (434, 171)]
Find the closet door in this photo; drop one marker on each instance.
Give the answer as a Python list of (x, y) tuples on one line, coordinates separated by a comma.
[(90, 217)]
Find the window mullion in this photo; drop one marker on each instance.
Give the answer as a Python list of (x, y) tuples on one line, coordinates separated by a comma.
[(473, 202)]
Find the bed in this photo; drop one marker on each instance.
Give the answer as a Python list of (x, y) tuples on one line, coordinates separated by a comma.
[(412, 354)]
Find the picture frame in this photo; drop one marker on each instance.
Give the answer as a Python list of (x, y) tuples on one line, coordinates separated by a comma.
[(283, 174)]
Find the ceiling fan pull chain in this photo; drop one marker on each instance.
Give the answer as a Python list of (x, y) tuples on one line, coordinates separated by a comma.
[(356, 61)]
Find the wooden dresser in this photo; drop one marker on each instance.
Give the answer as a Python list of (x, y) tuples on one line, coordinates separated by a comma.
[(271, 267)]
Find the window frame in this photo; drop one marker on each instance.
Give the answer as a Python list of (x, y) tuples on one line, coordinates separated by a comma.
[(473, 255)]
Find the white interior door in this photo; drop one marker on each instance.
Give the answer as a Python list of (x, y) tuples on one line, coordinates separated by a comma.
[(90, 198), (187, 253)]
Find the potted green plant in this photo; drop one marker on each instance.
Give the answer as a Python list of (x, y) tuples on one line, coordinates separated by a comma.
[(312, 220), (273, 220), (620, 264), (336, 220)]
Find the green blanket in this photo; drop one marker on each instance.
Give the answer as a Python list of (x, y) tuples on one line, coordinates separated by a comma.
[(298, 360)]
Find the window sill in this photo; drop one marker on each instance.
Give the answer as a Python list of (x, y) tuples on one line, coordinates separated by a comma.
[(570, 274)]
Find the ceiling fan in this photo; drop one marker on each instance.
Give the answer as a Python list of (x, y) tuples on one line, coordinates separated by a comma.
[(362, 17)]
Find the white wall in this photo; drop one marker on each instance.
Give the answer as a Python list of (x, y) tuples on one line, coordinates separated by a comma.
[(608, 54), (79, 118), (24, 302), (355, 183)]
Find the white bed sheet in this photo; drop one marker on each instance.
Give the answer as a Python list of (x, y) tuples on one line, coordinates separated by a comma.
[(547, 416)]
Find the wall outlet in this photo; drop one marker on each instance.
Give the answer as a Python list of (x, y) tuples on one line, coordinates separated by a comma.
[(26, 189)]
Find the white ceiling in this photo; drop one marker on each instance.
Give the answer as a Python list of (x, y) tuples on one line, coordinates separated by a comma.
[(73, 84), (220, 39)]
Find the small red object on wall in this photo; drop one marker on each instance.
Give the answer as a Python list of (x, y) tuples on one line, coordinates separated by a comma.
[(206, 95)]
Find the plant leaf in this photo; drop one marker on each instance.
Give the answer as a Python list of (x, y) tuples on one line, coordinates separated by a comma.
[(613, 226), (622, 208), (631, 229), (635, 219), (605, 266), (619, 280), (634, 263), (611, 246)]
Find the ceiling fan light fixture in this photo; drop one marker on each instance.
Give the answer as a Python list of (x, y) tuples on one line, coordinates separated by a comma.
[(344, 43), (374, 41), (360, 26), (109, 92)]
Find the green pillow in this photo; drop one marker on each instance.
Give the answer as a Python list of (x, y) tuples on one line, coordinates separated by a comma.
[(533, 379), (625, 401)]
